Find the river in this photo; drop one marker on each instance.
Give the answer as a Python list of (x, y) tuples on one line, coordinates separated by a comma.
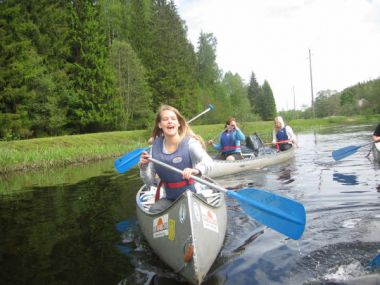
[(77, 225)]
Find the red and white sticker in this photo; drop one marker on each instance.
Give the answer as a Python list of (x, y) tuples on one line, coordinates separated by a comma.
[(160, 226), (210, 221)]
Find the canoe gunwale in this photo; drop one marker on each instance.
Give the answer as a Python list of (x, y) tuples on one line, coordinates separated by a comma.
[(224, 167)]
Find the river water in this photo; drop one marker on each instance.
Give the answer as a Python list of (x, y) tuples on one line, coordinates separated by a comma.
[(78, 225)]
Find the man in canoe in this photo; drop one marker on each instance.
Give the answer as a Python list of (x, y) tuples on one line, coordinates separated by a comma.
[(229, 141), (283, 135), (176, 145)]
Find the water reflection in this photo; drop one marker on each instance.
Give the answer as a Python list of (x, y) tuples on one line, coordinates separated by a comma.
[(345, 179), (65, 234), (73, 227)]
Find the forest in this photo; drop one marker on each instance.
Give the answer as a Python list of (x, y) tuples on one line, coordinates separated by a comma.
[(75, 67)]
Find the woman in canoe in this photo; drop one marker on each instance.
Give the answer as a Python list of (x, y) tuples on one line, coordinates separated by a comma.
[(174, 144), (229, 141), (283, 135)]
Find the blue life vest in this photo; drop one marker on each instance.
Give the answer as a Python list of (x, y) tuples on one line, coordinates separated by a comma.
[(282, 135), (175, 185), (228, 142)]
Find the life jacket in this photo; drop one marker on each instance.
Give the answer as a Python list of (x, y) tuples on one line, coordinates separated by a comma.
[(174, 184), (282, 136), (228, 142)]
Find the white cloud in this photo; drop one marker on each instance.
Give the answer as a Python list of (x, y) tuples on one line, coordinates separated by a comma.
[(272, 39)]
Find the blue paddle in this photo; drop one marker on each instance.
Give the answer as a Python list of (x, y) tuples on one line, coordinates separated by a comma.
[(277, 212), (346, 151), (129, 160), (375, 262)]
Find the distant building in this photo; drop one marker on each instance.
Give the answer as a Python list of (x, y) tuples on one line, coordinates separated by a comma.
[(361, 103)]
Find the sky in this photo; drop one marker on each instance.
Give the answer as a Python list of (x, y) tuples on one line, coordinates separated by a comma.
[(272, 38)]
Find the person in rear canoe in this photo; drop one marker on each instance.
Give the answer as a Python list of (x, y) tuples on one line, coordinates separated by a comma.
[(283, 135), (229, 141), (376, 134), (176, 145)]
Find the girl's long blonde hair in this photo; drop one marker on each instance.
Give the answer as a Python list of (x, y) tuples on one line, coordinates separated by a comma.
[(184, 129), (280, 120)]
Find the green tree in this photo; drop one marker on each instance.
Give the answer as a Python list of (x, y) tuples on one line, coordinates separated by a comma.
[(237, 93), (326, 104), (267, 103), (254, 92), (93, 105), (133, 90), (208, 72), (171, 64)]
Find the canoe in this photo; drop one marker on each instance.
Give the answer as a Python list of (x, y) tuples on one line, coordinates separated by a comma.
[(250, 162), (256, 156), (376, 151), (189, 234)]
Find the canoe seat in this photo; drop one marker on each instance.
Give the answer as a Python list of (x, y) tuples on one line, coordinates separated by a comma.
[(147, 198), (211, 196)]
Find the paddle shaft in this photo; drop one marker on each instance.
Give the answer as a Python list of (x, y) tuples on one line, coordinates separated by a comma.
[(230, 193), (210, 107), (200, 180), (287, 141)]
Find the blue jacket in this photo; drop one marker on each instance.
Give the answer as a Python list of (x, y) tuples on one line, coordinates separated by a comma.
[(229, 142)]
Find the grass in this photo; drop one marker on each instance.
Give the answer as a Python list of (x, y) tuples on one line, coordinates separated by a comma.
[(65, 150)]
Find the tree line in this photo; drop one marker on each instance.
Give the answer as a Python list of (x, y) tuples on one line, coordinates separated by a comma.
[(360, 99), (70, 67), (81, 66)]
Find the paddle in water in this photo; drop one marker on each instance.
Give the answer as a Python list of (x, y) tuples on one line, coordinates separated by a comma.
[(129, 160), (277, 212), (374, 263), (347, 151)]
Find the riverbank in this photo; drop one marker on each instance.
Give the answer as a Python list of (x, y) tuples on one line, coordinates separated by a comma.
[(66, 150)]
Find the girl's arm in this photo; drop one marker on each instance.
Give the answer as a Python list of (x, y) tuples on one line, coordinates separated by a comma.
[(199, 157), (291, 136), (239, 135), (148, 172)]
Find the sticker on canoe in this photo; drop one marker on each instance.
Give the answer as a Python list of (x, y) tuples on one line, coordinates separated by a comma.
[(210, 220), (196, 211), (182, 213), (171, 229), (160, 226)]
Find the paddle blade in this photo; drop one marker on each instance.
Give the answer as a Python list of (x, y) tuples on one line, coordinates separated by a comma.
[(277, 212), (375, 262), (129, 160), (344, 152)]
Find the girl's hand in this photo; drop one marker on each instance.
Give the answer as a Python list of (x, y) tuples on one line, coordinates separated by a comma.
[(187, 172), (144, 159)]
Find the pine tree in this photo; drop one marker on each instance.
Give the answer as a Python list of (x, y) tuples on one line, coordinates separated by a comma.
[(92, 103), (237, 93), (268, 107), (133, 90), (254, 91), (171, 64)]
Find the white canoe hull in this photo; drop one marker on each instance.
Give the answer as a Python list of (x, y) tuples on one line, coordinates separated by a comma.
[(188, 225), (223, 167), (376, 151)]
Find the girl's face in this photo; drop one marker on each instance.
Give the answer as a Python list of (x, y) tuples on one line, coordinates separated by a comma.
[(277, 124), (231, 126), (169, 123)]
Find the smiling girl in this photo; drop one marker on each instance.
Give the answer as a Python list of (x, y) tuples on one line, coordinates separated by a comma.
[(174, 144)]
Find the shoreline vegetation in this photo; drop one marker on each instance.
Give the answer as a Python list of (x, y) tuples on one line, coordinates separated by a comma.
[(24, 155)]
